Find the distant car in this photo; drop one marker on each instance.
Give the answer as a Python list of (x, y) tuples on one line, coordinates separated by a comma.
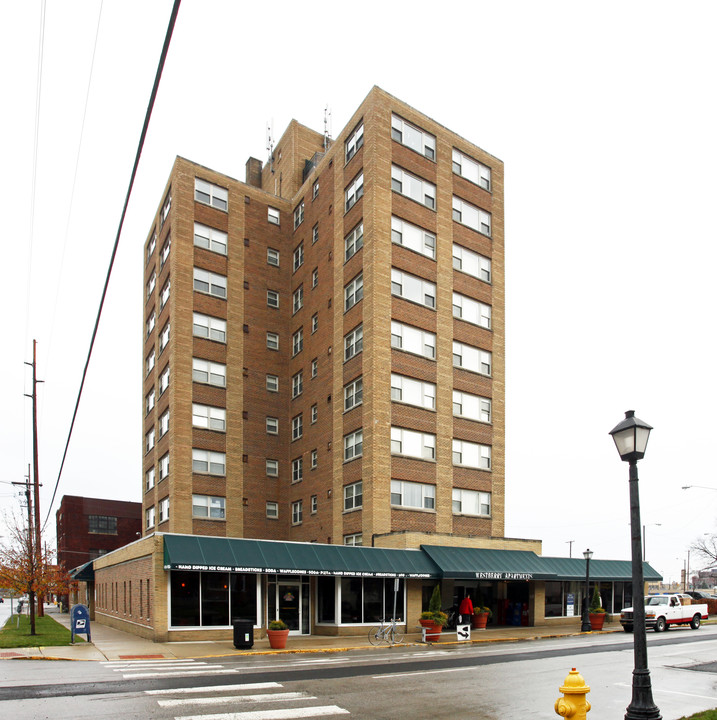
[(2, 599), (699, 595)]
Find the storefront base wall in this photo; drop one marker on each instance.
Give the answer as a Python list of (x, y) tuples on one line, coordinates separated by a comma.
[(145, 631)]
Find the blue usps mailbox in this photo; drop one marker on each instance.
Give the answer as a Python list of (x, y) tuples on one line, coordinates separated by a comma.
[(80, 622)]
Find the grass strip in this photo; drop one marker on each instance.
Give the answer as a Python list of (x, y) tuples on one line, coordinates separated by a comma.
[(48, 632)]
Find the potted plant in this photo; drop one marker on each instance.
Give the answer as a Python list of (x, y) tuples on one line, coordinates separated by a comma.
[(278, 632), (434, 619), (481, 615), (597, 613)]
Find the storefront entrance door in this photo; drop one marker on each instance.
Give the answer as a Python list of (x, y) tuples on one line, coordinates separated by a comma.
[(289, 604)]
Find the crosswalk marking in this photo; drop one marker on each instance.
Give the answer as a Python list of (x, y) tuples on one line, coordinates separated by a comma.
[(285, 714), (216, 688), (182, 672), (258, 698)]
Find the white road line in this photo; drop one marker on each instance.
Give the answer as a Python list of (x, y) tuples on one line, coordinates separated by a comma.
[(158, 663), (216, 688), (287, 714), (170, 666), (258, 698), (179, 673), (423, 672), (671, 692)]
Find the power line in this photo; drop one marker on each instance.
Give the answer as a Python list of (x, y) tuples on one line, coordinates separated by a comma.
[(145, 127)]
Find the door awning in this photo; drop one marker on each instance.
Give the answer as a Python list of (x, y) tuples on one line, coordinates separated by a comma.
[(484, 564), (600, 570), (83, 573)]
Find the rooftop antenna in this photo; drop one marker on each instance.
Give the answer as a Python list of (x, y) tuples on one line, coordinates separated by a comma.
[(270, 146), (327, 127)]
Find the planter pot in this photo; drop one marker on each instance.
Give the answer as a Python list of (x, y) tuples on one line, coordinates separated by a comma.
[(277, 638), (433, 631), (597, 620), (479, 621)]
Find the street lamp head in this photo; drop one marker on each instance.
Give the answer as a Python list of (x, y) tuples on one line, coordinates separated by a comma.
[(587, 554), (631, 437)]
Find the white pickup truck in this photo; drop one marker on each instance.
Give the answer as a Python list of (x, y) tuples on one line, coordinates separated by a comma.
[(661, 611)]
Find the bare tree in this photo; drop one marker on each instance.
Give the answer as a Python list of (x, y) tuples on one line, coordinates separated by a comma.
[(705, 548)]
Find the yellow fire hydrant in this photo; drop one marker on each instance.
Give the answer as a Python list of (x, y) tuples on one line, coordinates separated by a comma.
[(574, 705)]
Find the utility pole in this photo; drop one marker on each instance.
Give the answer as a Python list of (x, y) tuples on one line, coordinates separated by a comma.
[(31, 555)]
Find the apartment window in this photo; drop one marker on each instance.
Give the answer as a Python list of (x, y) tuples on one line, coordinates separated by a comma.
[(298, 214), (164, 380), (297, 470), (272, 425), (412, 288), (297, 342), (315, 190), (272, 383), (354, 141), (297, 512), (164, 509), (413, 137), (102, 524), (471, 502), (273, 216), (210, 238), (297, 384), (471, 216), (210, 194), (152, 244), (151, 321), (208, 506), (413, 340), (208, 462), (149, 517), (413, 495), (151, 283), (298, 257), (353, 292), (209, 417), (353, 496), (353, 394), (353, 242), (149, 440), (353, 343), (149, 362), (164, 338), (413, 237), (314, 413), (353, 445), (314, 323), (149, 401), (297, 427), (272, 340), (472, 358), (355, 539), (298, 298), (471, 169), (164, 295), (272, 257), (210, 283), (314, 277), (272, 509), (149, 479), (314, 368), (413, 392), (354, 192), (471, 407), (314, 504), (272, 298), (467, 261), (272, 468), (164, 467), (413, 187), (211, 373), (164, 423), (314, 459), (413, 444), (471, 454), (472, 311), (164, 256), (315, 234), (208, 327)]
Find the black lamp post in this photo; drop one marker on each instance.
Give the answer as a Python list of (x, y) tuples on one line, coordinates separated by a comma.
[(585, 614), (630, 438)]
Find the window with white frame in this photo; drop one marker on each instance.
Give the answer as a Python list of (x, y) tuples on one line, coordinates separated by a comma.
[(353, 242), (471, 216), (353, 496), (472, 311), (314, 459), (354, 141), (353, 292), (355, 539), (209, 506), (149, 401), (149, 517), (209, 417), (413, 237), (413, 392), (471, 502), (314, 323), (272, 298), (471, 169), (272, 383), (211, 328), (152, 244), (272, 509), (314, 413), (467, 261), (164, 255), (412, 288), (413, 137), (149, 362), (210, 283), (315, 190), (164, 509), (412, 443), (208, 462), (272, 340), (315, 234), (314, 504), (314, 368), (164, 423), (298, 298), (149, 440), (273, 215), (472, 358), (297, 470), (297, 384), (164, 295), (353, 342), (298, 257), (413, 187), (210, 238), (297, 512), (164, 380), (413, 495), (297, 342), (272, 425), (272, 257), (354, 192), (353, 394), (353, 445), (471, 407), (164, 467), (314, 277), (210, 194), (298, 214), (151, 283), (151, 321), (164, 337), (149, 479), (470, 454), (413, 340), (297, 426), (272, 467), (210, 373)]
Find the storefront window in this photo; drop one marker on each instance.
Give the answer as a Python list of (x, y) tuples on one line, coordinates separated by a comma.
[(351, 600), (370, 600), (553, 599), (215, 599), (243, 596), (185, 598), (326, 587)]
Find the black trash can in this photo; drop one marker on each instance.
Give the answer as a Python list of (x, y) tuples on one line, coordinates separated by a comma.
[(243, 633)]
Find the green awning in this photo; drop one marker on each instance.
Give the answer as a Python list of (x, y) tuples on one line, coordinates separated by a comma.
[(482, 564), (83, 573), (214, 554), (605, 570)]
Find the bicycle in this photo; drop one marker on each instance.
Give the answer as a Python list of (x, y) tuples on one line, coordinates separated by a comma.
[(385, 633)]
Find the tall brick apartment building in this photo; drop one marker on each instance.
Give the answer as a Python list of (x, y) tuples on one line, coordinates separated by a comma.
[(323, 364)]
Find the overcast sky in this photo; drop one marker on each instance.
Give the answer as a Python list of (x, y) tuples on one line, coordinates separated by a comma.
[(604, 115)]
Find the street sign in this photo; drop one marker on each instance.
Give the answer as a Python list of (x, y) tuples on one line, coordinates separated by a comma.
[(463, 632), (80, 622)]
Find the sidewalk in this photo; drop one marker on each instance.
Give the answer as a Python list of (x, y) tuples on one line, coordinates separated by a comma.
[(111, 644)]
